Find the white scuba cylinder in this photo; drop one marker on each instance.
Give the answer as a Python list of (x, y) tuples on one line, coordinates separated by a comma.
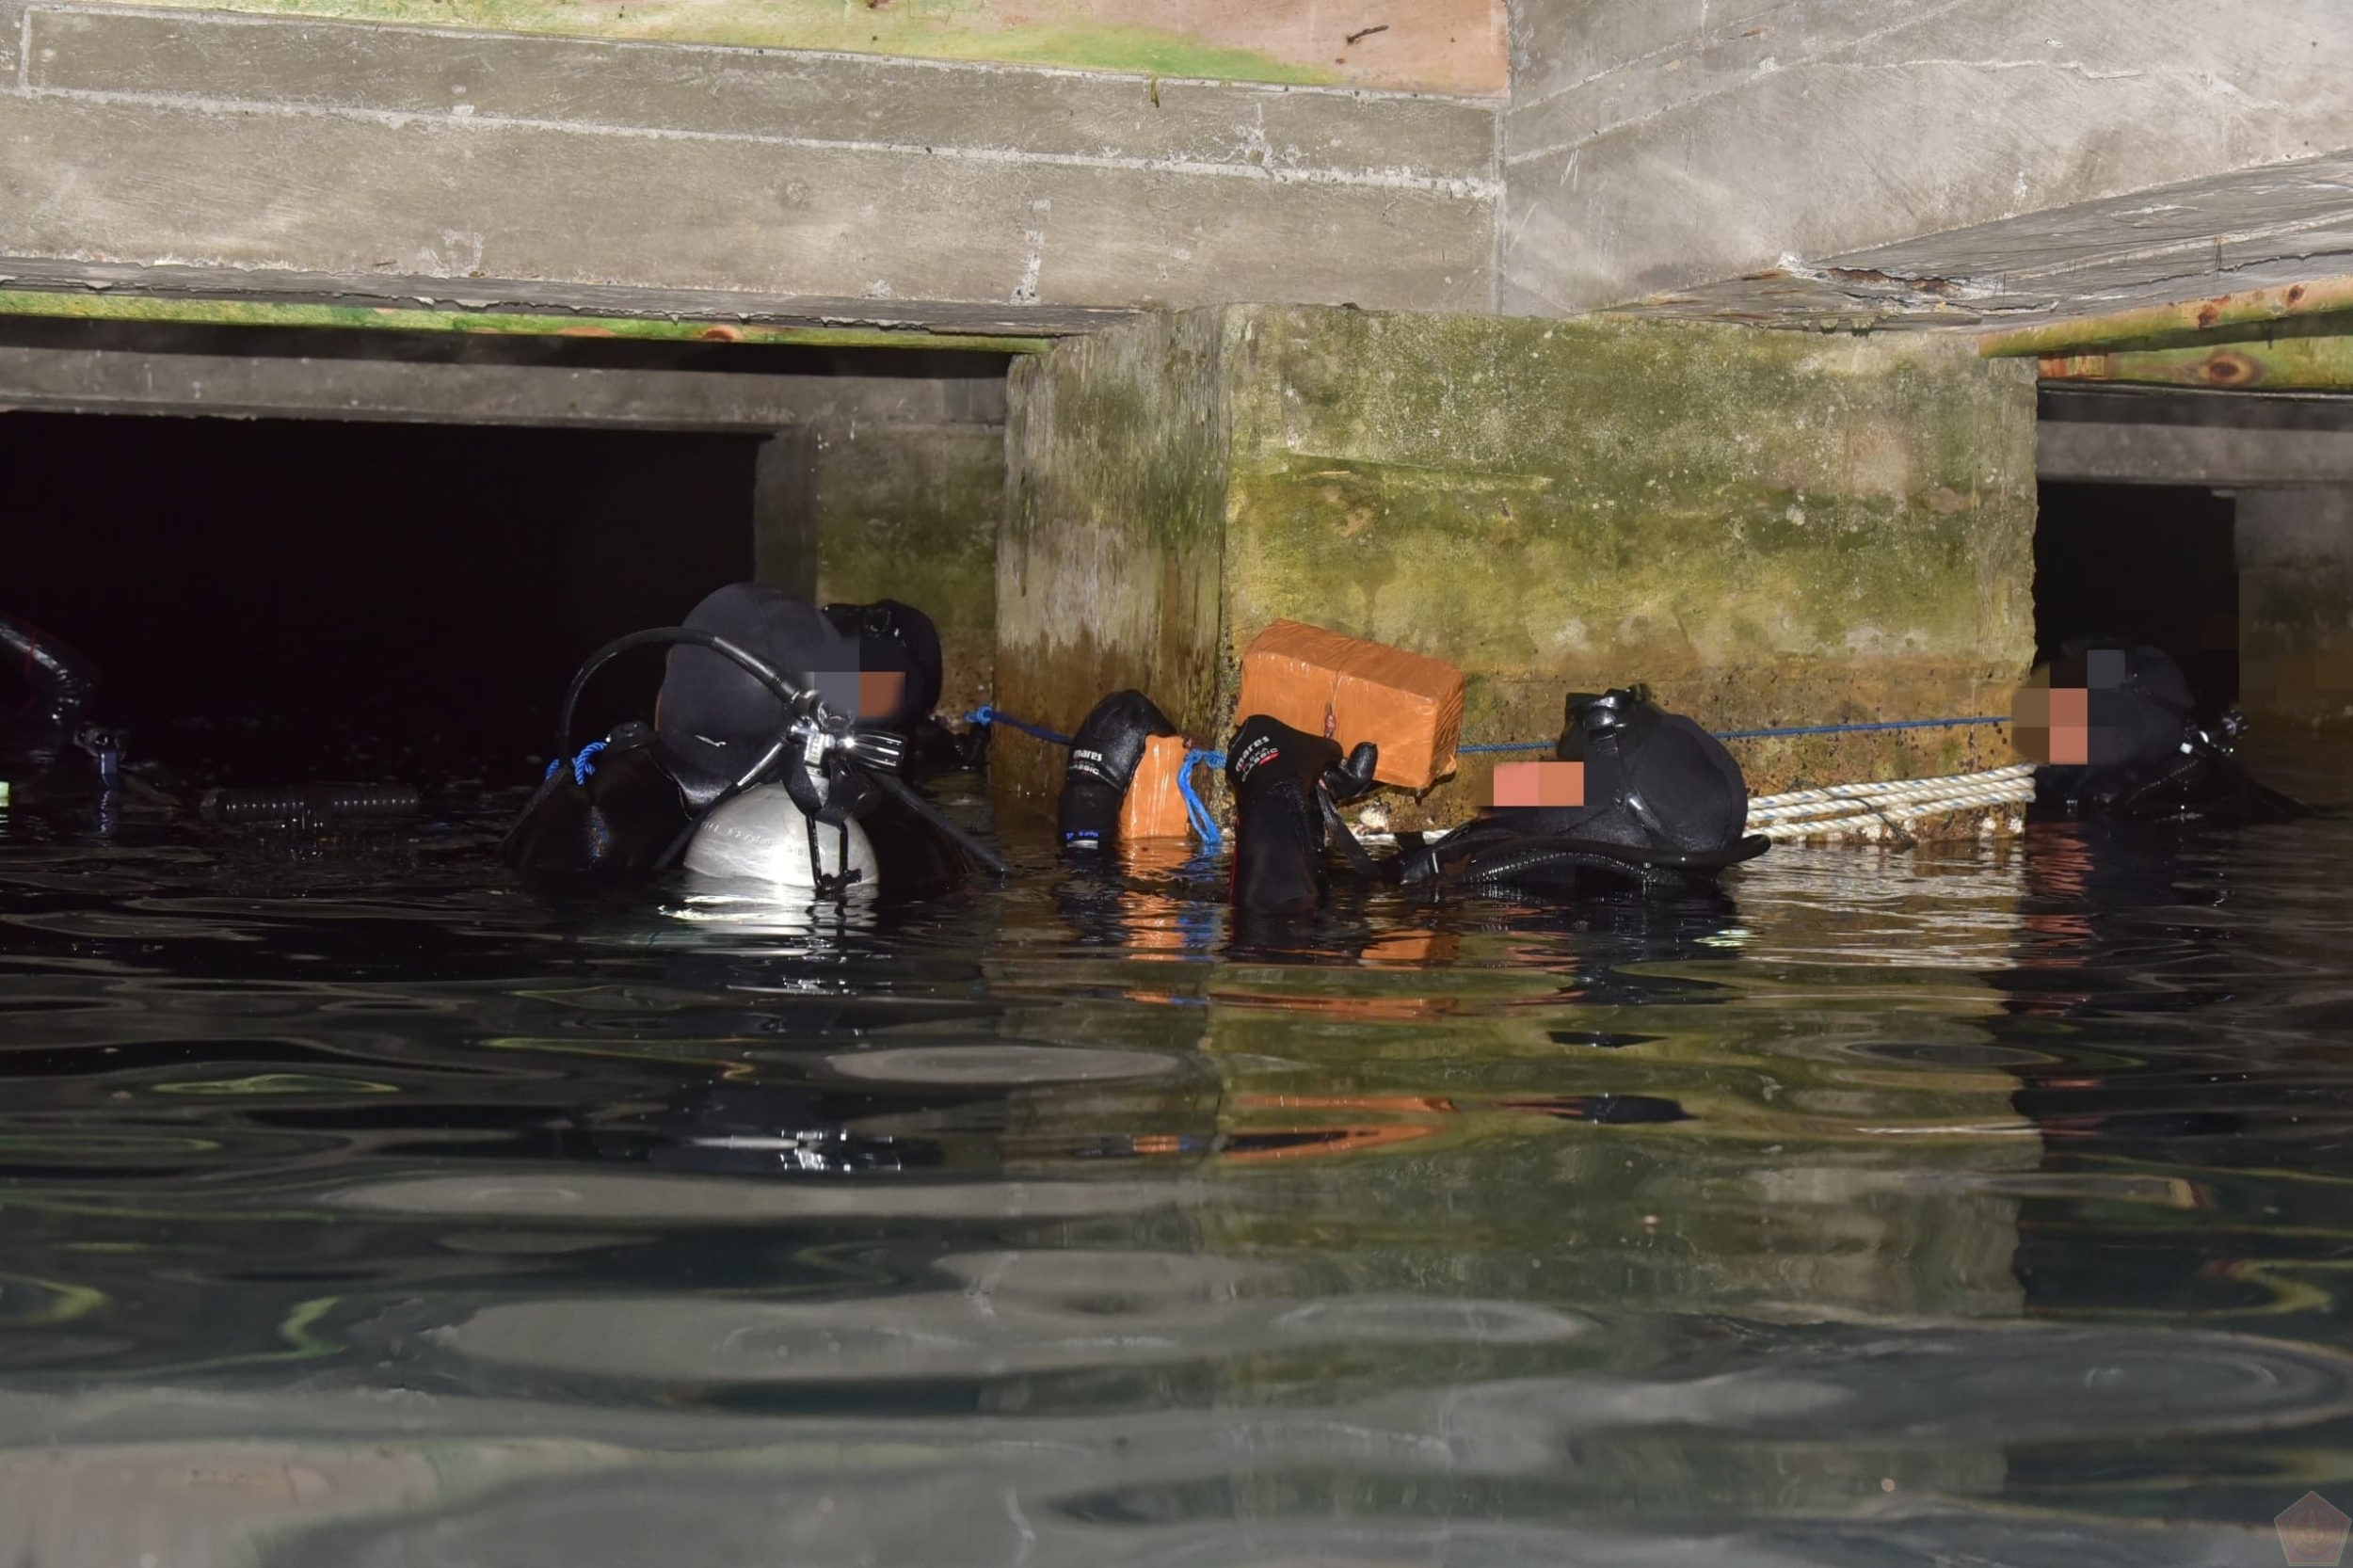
[(761, 835)]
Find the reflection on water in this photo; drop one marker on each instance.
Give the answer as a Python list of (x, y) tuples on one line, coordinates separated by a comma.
[(362, 1207)]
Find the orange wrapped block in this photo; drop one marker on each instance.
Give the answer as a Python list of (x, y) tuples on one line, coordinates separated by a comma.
[(1354, 691), (1287, 673), (1155, 806)]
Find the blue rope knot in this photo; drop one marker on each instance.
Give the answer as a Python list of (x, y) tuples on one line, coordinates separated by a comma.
[(1197, 811), (582, 766)]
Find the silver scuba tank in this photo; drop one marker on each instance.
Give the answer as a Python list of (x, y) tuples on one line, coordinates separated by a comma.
[(761, 835)]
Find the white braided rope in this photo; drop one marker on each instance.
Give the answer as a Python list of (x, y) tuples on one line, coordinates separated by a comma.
[(1994, 779), (1873, 809)]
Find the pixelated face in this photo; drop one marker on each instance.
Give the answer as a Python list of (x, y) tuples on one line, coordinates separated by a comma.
[(2062, 715), (1540, 784), (869, 694)]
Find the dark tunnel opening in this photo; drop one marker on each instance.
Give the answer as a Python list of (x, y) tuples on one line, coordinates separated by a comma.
[(2154, 564), (279, 601)]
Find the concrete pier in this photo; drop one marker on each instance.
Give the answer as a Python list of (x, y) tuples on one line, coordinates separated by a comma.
[(1770, 529)]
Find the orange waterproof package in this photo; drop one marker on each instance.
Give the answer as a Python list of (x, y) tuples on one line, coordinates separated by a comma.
[(1155, 806), (1354, 691)]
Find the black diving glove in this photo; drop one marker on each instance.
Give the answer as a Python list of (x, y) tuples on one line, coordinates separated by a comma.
[(1104, 757), (1277, 774)]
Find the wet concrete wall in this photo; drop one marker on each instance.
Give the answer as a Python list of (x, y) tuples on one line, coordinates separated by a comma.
[(1653, 144), (1770, 529), (2296, 604), (1108, 564), (892, 488), (285, 144)]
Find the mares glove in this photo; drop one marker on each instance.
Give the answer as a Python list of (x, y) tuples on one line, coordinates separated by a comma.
[(1285, 783), (1104, 757)]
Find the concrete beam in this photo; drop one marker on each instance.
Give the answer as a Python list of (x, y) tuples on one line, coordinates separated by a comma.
[(72, 380), (2191, 455), (1653, 145), (410, 293), (2143, 436), (251, 142)]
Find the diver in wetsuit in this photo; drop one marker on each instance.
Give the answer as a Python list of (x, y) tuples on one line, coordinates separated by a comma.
[(899, 639), (637, 800), (2119, 739), (1665, 806)]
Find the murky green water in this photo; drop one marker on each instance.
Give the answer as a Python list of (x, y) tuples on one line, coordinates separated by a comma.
[(365, 1208)]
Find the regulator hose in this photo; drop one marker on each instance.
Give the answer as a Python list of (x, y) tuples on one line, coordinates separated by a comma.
[(62, 681)]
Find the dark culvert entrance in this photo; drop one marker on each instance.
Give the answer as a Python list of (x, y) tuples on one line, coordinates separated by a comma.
[(283, 600), (2150, 563)]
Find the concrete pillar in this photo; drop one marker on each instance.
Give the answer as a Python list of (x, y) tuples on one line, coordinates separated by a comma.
[(909, 511), (891, 488), (2295, 549), (1770, 528), (784, 522)]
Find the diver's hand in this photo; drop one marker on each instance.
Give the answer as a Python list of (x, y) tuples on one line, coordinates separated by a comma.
[(1294, 756), (1104, 757), (1348, 780), (1276, 775)]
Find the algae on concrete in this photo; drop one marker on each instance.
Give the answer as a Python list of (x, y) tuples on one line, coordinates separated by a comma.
[(2295, 550), (910, 513), (1108, 561), (1770, 529), (928, 29)]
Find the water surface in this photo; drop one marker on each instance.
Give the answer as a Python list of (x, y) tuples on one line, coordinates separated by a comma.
[(361, 1205)]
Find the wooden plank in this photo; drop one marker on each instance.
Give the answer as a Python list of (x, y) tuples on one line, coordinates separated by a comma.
[(2318, 363), (2127, 328)]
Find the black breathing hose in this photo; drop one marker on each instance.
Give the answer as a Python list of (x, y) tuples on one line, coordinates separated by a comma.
[(63, 681), (780, 686)]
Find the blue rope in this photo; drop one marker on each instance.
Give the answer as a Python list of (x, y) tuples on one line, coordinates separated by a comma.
[(582, 767), (1217, 758), (1852, 729), (985, 714), (1507, 745), (1204, 824)]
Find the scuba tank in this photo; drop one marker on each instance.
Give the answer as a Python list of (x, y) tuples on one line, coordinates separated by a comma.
[(635, 801), (762, 835)]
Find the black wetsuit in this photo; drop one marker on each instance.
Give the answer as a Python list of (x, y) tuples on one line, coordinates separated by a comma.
[(1665, 805), (2151, 755), (1286, 785), (1104, 756)]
